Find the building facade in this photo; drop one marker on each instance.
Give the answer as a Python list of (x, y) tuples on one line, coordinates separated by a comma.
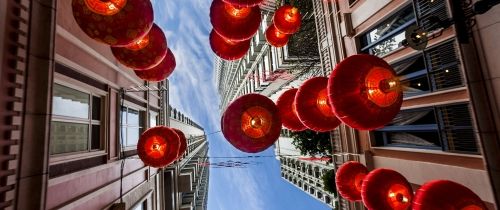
[(71, 116)]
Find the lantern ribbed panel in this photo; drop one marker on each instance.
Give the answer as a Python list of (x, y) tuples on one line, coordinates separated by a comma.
[(349, 180)]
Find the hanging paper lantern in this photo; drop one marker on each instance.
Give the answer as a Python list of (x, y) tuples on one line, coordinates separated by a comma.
[(446, 195), (183, 143), (251, 123), (287, 111), (349, 180), (287, 19), (275, 37), (313, 108), (365, 92), (386, 189), (144, 53), (227, 49), (114, 22), (158, 146), (244, 3), (159, 72), (234, 22)]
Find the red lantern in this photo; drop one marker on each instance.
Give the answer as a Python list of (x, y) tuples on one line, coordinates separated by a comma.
[(446, 195), (313, 108), (159, 72), (251, 123), (287, 19), (287, 111), (349, 180), (183, 143), (275, 37), (244, 3), (227, 49), (114, 22), (145, 53), (158, 146), (386, 189), (365, 92), (234, 22)]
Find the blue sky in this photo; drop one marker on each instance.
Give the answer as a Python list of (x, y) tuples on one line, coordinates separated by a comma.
[(192, 91)]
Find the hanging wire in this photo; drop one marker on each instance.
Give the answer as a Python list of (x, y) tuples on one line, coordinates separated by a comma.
[(122, 144)]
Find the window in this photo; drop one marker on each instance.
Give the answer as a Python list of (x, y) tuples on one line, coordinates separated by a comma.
[(76, 121), (153, 119), (446, 128), (132, 125)]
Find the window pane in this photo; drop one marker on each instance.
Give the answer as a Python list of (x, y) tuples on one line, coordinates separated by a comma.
[(96, 137), (390, 25), (68, 137), (132, 135), (153, 119), (70, 102), (96, 108), (133, 117)]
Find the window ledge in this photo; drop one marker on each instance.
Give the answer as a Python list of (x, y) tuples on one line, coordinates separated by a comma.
[(427, 151), (61, 158)]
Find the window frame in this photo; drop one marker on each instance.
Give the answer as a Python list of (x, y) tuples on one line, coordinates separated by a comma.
[(91, 91), (142, 120)]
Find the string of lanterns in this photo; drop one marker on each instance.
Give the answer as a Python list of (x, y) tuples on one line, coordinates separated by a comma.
[(127, 27), (362, 91), (286, 22), (388, 189)]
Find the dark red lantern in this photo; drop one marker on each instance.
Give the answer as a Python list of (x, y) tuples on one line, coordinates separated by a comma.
[(114, 22), (287, 19), (365, 92), (183, 143), (234, 22), (287, 111), (144, 53), (349, 180), (244, 3), (386, 189), (251, 123), (446, 195), (158, 146), (227, 49), (275, 37), (159, 72), (313, 108)]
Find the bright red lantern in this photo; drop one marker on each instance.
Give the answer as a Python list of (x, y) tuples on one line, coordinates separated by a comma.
[(114, 22), (349, 180), (251, 123), (275, 37), (287, 19), (386, 189), (234, 22), (159, 72), (227, 49), (287, 111), (313, 108), (183, 143), (446, 195), (158, 146), (244, 3), (144, 53), (365, 92)]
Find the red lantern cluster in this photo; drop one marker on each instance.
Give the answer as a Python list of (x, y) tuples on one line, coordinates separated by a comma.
[(127, 25), (145, 53), (286, 21), (349, 180), (287, 111), (158, 146), (365, 92), (446, 195), (388, 189), (251, 123), (234, 23), (114, 22), (313, 107)]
